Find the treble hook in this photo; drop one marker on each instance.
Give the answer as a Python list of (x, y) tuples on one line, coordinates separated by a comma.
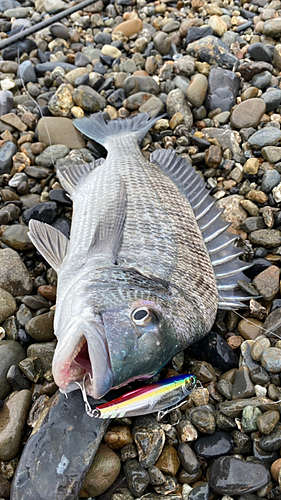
[(88, 409)]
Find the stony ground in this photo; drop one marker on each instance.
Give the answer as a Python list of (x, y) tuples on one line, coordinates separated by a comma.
[(214, 67)]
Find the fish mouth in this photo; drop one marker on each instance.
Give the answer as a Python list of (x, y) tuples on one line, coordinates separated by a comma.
[(89, 356)]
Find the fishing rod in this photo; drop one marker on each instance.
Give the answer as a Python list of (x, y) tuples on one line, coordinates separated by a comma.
[(43, 24)]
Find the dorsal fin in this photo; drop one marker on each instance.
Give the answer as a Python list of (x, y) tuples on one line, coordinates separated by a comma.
[(50, 242), (223, 254), (109, 230), (71, 175)]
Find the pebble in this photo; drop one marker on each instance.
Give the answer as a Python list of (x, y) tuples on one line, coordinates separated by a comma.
[(16, 237), (203, 420), (242, 385), (102, 473), (12, 422), (44, 212), (267, 282), (196, 91), (6, 101), (7, 151), (219, 443), (275, 469), (136, 476), (11, 354), (272, 441), (272, 99), (110, 50), (60, 131), (214, 349), (168, 462), (130, 27), (176, 103), (88, 99), (149, 439), (230, 475), (267, 421), (223, 87), (273, 155), (14, 277), (51, 154), (265, 137), (259, 346), (41, 327), (271, 360), (250, 416), (259, 52), (211, 50), (248, 113), (265, 237), (188, 458)]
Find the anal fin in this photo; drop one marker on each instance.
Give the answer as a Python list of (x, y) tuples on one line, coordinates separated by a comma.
[(50, 242), (71, 175)]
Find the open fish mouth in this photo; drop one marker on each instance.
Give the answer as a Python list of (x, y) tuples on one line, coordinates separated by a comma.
[(89, 355)]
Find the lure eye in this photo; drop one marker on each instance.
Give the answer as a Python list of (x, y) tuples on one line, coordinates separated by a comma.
[(142, 316), (192, 380)]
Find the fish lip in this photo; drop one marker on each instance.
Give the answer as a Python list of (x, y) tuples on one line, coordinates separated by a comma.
[(66, 370)]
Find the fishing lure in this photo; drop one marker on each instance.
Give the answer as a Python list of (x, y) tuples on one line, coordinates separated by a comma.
[(153, 398)]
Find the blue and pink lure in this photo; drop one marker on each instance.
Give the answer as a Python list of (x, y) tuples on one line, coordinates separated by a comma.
[(152, 398)]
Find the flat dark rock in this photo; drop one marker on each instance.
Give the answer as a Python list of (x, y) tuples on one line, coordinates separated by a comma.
[(214, 349), (232, 476), (18, 48), (49, 66), (56, 458), (213, 446), (213, 51)]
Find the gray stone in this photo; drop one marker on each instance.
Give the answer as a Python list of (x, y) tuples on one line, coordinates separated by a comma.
[(6, 101), (272, 99), (162, 42), (45, 470), (135, 84), (51, 154), (272, 27), (11, 353), (6, 156), (184, 66), (7, 305), (9, 213), (266, 237), (271, 178), (88, 99), (213, 51), (265, 137), (271, 153), (271, 360), (259, 52), (261, 80), (222, 90), (8, 4), (249, 419), (44, 352), (176, 102), (23, 315), (253, 224), (12, 423), (248, 113), (14, 277), (58, 30), (26, 71), (149, 439), (136, 476), (60, 131)]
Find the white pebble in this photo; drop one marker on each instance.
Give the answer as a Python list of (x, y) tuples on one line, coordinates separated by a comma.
[(2, 333), (186, 489), (260, 391)]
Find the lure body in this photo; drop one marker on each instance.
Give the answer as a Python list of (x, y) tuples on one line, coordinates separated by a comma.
[(148, 399)]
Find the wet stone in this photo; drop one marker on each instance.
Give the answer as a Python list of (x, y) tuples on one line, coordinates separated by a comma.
[(214, 350), (168, 462), (44, 353), (136, 476), (149, 439), (242, 386), (219, 443), (272, 441), (253, 224), (267, 282), (267, 421), (203, 420), (201, 492), (186, 431), (156, 477), (229, 475), (188, 458), (267, 457), (225, 388), (102, 473), (117, 437), (271, 360), (250, 416), (275, 469)]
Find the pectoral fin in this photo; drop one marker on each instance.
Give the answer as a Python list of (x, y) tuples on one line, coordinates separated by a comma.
[(50, 242), (108, 235)]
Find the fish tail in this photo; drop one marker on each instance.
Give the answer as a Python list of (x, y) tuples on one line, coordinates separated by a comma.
[(102, 132)]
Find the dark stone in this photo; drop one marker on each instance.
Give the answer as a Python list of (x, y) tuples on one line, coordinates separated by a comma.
[(102, 38), (63, 225), (26, 71), (220, 443), (108, 60), (47, 464), (24, 339), (243, 27), (82, 80), (232, 476), (58, 30), (223, 89), (81, 60), (60, 196), (259, 52), (18, 48), (272, 99), (99, 68), (16, 380), (44, 212), (272, 441), (249, 69), (242, 442), (195, 33), (261, 80), (188, 458), (213, 51), (11, 353), (116, 98), (6, 102), (136, 476), (253, 224), (49, 66), (267, 457), (201, 492), (6, 156), (258, 266), (214, 349)]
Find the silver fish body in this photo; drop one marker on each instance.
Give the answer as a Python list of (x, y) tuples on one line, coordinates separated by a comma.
[(136, 282)]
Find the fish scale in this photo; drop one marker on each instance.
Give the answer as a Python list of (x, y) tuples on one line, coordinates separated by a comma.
[(148, 263)]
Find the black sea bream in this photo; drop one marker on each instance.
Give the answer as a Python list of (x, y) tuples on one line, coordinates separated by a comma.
[(147, 264)]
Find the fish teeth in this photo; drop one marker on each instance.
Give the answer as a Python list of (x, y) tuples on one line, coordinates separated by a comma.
[(78, 349)]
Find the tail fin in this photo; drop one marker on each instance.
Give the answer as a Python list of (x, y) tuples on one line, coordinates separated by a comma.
[(97, 129)]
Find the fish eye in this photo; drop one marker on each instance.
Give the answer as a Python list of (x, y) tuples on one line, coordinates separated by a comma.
[(142, 316)]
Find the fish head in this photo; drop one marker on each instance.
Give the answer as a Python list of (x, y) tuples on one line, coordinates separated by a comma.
[(115, 337), (141, 339)]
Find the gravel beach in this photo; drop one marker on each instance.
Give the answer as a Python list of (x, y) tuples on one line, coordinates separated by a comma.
[(213, 69)]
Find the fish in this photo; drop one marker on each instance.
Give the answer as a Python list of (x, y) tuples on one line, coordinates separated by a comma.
[(148, 399), (148, 263)]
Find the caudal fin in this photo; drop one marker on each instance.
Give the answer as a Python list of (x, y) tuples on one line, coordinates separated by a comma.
[(102, 132)]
